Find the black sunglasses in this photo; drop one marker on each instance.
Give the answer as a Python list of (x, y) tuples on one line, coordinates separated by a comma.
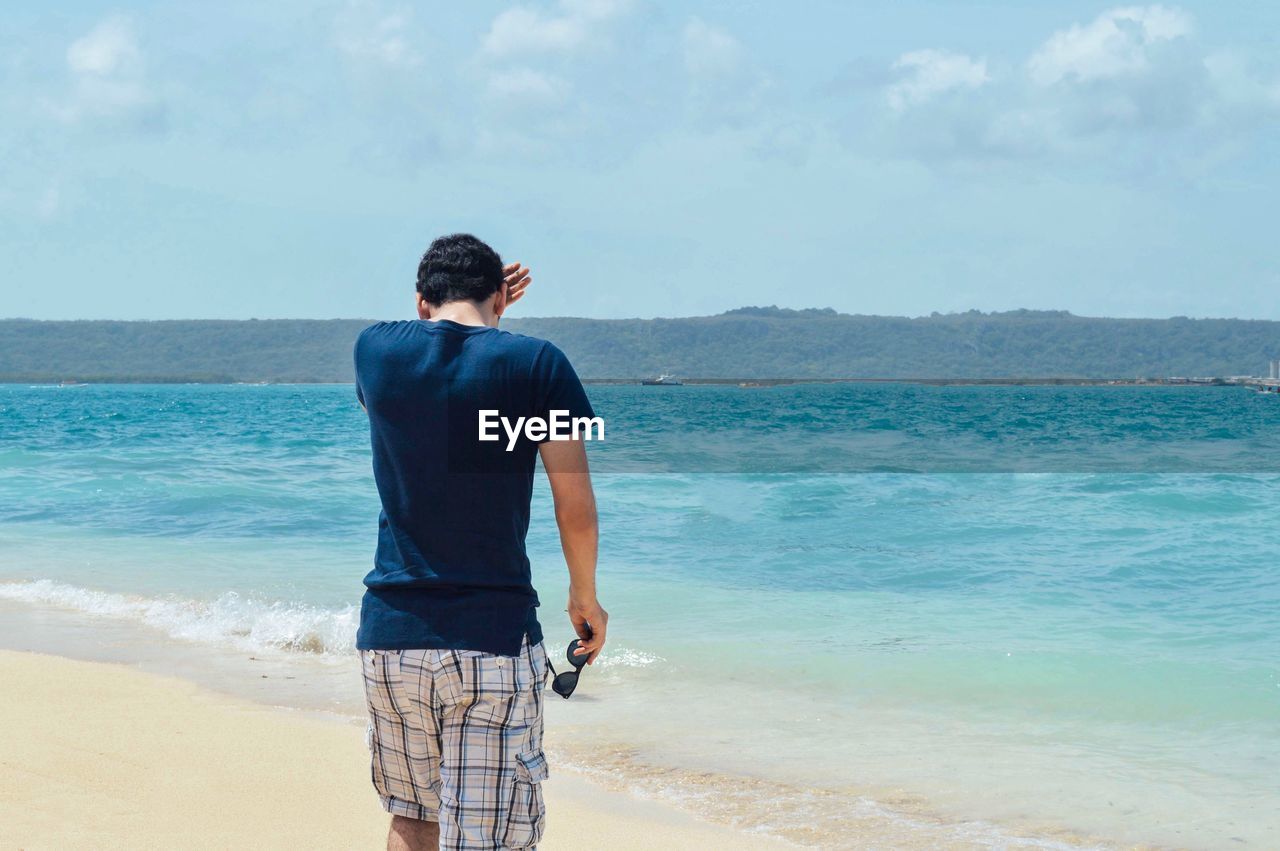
[(566, 682)]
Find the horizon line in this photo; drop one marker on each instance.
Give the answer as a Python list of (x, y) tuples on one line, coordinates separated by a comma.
[(746, 311)]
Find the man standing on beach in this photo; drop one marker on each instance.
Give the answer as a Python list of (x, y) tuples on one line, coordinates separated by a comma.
[(454, 664)]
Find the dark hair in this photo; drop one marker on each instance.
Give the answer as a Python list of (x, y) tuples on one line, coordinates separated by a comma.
[(459, 267)]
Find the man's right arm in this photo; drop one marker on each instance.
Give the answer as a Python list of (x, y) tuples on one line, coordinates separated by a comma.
[(566, 464)]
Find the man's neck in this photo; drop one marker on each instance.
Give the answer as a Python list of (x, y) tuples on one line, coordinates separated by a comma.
[(464, 313)]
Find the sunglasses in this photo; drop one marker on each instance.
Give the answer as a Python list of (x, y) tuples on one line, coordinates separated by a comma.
[(565, 682)]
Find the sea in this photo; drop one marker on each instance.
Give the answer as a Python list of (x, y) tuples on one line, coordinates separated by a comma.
[(850, 615)]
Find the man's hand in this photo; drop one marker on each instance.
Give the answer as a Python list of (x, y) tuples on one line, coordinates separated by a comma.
[(517, 279), (590, 621)]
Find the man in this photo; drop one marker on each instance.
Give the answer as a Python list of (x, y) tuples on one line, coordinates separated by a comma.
[(454, 664)]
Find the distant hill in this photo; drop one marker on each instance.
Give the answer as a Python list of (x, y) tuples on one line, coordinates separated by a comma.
[(751, 342)]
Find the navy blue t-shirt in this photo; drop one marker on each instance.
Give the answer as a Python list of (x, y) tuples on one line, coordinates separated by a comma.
[(450, 569)]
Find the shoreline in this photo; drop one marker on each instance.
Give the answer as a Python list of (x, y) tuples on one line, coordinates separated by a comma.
[(162, 761), (123, 657), (760, 809)]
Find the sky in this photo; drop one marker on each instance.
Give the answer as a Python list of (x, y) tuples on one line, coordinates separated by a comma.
[(248, 159)]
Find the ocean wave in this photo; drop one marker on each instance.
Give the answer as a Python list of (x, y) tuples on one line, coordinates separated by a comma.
[(233, 620), (246, 623)]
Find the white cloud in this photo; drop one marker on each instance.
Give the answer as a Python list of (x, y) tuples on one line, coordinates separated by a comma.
[(1240, 88), (710, 52), (527, 86), (1117, 42), (108, 79), (367, 34), (1132, 88), (108, 48), (1114, 85), (574, 24), (522, 29), (929, 73), (596, 9)]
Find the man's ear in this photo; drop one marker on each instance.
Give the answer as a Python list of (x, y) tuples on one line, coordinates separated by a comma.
[(424, 308), (500, 301)]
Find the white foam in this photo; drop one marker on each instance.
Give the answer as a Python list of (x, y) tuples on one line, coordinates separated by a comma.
[(627, 658), (230, 620), (245, 623)]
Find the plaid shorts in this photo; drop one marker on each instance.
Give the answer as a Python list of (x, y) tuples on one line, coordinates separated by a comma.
[(456, 737)]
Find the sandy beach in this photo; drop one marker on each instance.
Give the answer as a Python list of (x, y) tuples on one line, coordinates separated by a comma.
[(105, 756)]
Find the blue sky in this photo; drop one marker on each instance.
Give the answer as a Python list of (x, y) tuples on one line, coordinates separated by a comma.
[(171, 160)]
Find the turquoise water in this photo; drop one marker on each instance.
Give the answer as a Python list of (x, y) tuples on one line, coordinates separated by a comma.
[(1026, 609)]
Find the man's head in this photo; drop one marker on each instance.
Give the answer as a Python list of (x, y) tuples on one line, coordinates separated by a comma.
[(459, 267)]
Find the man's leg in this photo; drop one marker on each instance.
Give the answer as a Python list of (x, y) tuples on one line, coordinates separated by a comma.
[(404, 743), (411, 834), (491, 760)]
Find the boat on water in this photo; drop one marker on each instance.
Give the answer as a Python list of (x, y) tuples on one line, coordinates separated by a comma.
[(665, 380)]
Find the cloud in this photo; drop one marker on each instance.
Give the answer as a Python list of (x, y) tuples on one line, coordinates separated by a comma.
[(527, 86), (364, 33), (1117, 42), (575, 24), (1134, 69), (725, 87), (1242, 91), (710, 52), (1128, 89), (555, 64), (108, 81), (929, 73), (109, 48), (790, 142)]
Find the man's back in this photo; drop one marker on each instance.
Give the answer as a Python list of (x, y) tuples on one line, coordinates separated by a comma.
[(452, 655), (450, 569)]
